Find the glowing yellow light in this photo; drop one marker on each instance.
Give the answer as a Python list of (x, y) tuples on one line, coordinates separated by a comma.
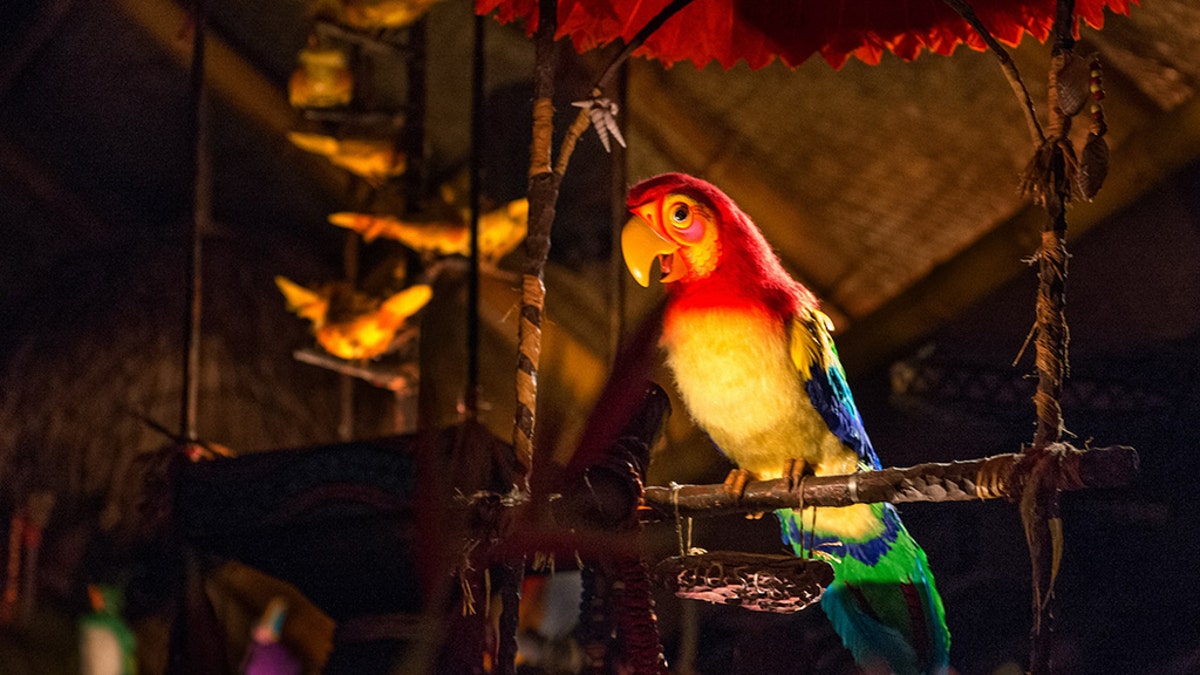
[(322, 79)]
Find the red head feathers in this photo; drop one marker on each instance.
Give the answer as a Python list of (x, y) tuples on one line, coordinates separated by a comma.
[(746, 268)]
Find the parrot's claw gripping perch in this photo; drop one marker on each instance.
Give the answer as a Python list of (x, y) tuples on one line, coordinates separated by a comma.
[(735, 482), (735, 485), (793, 470)]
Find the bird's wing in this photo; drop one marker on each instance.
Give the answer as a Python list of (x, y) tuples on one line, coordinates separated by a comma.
[(303, 302), (816, 360), (406, 303)]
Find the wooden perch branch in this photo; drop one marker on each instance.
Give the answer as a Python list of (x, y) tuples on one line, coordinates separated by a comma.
[(400, 378), (986, 478)]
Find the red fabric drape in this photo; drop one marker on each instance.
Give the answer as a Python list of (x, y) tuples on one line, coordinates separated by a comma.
[(760, 31)]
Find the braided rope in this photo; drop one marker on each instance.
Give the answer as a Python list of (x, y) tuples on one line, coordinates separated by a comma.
[(528, 355), (1052, 337)]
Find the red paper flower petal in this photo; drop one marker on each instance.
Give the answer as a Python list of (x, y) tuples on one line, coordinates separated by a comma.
[(760, 31)]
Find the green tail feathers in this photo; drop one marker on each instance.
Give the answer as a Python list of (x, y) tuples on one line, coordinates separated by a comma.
[(883, 601)]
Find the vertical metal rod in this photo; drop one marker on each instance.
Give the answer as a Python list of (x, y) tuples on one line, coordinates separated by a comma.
[(404, 407), (200, 212), (179, 661), (413, 136), (478, 79), (346, 382), (616, 285)]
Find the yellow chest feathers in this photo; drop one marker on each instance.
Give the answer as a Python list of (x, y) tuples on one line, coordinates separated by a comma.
[(735, 372)]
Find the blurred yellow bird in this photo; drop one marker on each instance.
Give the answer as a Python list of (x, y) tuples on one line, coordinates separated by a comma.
[(322, 79), (349, 324), (374, 160), (500, 231), (371, 14)]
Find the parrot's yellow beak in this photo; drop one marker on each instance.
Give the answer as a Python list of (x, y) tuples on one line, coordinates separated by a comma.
[(640, 245)]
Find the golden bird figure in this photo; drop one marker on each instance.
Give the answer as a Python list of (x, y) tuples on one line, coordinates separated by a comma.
[(322, 79), (500, 230), (350, 324), (373, 14), (374, 160)]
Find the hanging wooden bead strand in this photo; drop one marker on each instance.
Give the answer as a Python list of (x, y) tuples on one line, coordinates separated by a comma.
[(1093, 165)]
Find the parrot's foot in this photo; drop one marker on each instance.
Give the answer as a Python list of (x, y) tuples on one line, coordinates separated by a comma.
[(735, 482), (793, 470)]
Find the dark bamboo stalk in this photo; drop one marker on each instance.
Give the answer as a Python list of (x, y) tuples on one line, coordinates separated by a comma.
[(544, 180), (583, 119), (412, 138), (478, 75), (543, 196), (1006, 65), (969, 480), (201, 201), (350, 251)]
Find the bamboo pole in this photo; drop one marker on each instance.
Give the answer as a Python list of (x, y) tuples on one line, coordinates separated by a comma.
[(201, 168), (543, 196)]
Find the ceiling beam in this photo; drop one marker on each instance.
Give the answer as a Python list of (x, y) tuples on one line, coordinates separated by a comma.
[(1145, 157), (236, 81)]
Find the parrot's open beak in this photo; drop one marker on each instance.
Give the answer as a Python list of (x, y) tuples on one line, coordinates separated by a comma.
[(640, 245)]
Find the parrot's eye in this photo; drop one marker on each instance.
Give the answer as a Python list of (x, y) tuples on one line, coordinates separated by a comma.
[(680, 214)]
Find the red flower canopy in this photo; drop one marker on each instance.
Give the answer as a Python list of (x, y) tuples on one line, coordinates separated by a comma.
[(793, 30)]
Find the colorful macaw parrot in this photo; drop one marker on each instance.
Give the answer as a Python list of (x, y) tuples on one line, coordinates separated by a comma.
[(756, 367), (107, 646)]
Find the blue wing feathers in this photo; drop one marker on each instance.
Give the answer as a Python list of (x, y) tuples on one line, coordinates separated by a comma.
[(830, 395), (888, 560)]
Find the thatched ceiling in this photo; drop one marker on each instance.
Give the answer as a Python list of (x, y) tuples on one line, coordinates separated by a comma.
[(890, 189)]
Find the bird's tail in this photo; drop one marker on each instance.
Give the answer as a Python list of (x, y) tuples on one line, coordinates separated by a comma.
[(883, 601)]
